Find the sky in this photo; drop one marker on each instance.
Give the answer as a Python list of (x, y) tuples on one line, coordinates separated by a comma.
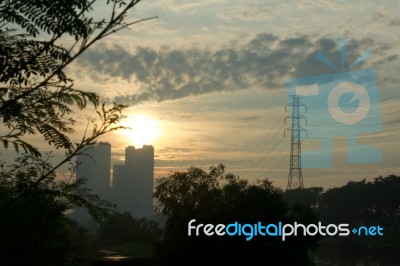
[(206, 83)]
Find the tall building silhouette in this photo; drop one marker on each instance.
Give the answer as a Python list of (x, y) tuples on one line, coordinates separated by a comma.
[(94, 166), (132, 184)]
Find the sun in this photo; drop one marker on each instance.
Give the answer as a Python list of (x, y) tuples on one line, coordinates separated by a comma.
[(143, 130)]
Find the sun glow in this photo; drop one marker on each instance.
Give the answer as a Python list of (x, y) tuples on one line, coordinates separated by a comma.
[(143, 130)]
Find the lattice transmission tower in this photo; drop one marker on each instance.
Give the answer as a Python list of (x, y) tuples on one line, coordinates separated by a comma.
[(295, 179)]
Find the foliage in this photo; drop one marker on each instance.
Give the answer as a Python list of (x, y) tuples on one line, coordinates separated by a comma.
[(35, 225), (357, 203), (123, 228), (37, 97), (362, 202), (38, 40), (304, 196), (217, 197)]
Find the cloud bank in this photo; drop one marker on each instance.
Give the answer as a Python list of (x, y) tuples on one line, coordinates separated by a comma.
[(265, 62)]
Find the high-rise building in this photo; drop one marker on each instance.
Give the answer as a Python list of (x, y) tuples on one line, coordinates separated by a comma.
[(94, 165), (132, 186)]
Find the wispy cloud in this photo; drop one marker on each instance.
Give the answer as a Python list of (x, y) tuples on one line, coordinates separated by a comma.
[(245, 13)]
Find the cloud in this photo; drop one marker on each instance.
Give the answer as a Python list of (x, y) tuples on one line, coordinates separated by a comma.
[(187, 6), (394, 22), (266, 62), (245, 13), (249, 118)]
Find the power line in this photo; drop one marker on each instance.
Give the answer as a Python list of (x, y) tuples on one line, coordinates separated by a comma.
[(269, 151), (282, 147), (364, 125), (278, 159), (364, 137), (268, 133), (266, 154), (372, 105)]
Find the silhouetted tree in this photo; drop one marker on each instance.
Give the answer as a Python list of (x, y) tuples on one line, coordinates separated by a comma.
[(304, 196), (34, 229), (37, 97), (362, 202), (347, 203), (215, 197), (123, 228)]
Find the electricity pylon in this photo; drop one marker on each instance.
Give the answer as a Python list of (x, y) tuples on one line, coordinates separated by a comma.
[(295, 179)]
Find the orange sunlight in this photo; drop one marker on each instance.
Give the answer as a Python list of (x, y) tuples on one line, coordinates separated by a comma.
[(143, 130)]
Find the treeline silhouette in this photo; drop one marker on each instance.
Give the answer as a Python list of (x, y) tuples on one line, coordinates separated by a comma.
[(38, 229), (357, 203), (215, 197)]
